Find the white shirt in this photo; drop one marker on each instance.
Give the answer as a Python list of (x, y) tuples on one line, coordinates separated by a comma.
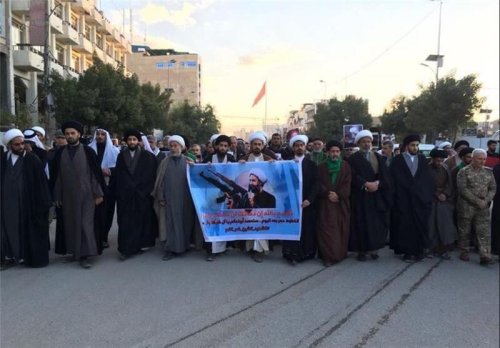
[(299, 159), (13, 157)]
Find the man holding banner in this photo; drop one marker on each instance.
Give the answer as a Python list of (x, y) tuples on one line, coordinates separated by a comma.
[(257, 140), (221, 155)]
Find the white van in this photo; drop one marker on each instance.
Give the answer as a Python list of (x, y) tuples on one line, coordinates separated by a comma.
[(425, 149)]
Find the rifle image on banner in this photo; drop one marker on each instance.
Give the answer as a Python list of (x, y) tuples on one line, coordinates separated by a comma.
[(230, 188)]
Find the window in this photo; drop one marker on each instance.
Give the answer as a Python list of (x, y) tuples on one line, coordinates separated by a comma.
[(74, 22), (87, 32), (60, 54), (76, 63), (99, 41)]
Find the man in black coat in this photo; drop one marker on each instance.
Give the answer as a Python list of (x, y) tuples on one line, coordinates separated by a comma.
[(25, 203), (370, 199), (413, 197), (135, 174), (78, 188), (297, 251)]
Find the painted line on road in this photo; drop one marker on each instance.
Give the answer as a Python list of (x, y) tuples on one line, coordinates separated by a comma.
[(385, 318), (345, 319), (245, 308)]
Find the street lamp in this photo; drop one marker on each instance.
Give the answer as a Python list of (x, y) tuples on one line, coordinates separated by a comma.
[(171, 61), (428, 67), (324, 89), (438, 58)]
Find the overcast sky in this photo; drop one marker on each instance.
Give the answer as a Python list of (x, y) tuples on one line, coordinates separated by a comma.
[(371, 48)]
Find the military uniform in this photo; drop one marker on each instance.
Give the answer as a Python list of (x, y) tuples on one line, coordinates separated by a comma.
[(474, 185)]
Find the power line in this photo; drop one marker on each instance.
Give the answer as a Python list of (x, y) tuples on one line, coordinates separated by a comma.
[(380, 55)]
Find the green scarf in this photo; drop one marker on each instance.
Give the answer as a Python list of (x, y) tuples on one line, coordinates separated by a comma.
[(334, 168), (318, 157), (461, 165)]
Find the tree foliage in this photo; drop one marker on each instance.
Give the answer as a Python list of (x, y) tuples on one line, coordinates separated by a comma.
[(194, 122), (332, 116), (103, 96), (393, 120), (438, 109)]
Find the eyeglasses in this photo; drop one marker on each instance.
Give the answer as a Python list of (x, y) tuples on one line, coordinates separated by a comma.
[(17, 144)]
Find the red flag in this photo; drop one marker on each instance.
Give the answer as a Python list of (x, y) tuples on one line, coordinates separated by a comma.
[(260, 95)]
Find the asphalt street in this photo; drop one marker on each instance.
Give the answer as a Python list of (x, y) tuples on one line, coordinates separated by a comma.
[(235, 302)]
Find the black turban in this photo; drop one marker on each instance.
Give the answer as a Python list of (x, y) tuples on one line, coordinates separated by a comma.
[(132, 133), (465, 151), (72, 124), (411, 138), (222, 138), (460, 143), (437, 153), (333, 143), (350, 145)]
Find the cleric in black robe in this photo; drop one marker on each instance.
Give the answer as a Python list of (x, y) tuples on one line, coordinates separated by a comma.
[(135, 174), (413, 197), (25, 203), (370, 198), (297, 251), (99, 210)]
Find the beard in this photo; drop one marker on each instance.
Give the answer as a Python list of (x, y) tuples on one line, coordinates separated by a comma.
[(254, 189), (256, 152), (73, 141), (132, 147)]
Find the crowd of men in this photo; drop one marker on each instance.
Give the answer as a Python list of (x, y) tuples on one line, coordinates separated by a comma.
[(354, 199)]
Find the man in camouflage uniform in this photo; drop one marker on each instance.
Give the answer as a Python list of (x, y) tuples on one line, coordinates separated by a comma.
[(476, 187)]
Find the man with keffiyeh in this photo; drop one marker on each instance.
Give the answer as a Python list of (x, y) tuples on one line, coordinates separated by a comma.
[(107, 155)]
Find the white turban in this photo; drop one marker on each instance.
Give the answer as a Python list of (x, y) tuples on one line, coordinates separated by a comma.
[(444, 144), (299, 137), (39, 130), (259, 174), (178, 139), (213, 138), (257, 136), (264, 134), (363, 134), (11, 134)]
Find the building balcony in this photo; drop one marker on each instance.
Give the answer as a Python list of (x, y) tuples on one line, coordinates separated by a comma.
[(94, 17), (56, 25), (70, 72), (20, 6), (84, 45), (54, 65), (69, 35), (85, 6), (100, 53), (28, 59), (105, 28), (115, 37)]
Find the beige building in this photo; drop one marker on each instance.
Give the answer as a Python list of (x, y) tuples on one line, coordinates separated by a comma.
[(77, 29), (179, 72)]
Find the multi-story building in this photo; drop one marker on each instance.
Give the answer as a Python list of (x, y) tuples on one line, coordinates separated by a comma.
[(179, 72), (75, 30), (303, 119)]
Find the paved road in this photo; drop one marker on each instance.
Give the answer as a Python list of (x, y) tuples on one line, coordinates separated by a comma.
[(235, 302)]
